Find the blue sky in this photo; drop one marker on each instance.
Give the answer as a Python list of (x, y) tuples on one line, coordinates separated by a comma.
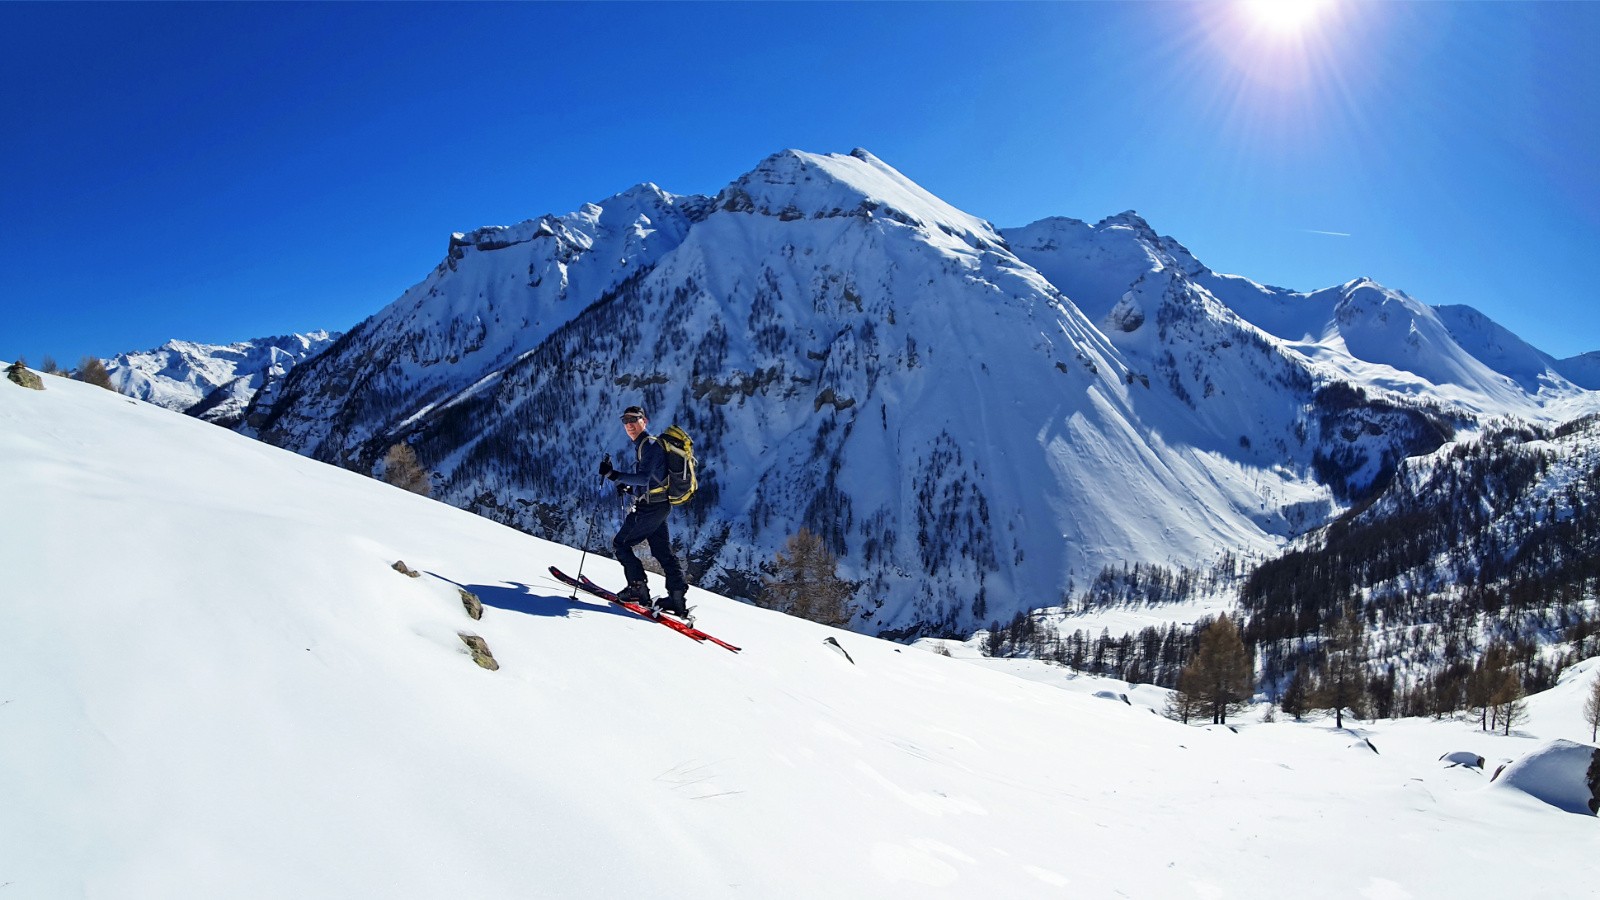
[(221, 172)]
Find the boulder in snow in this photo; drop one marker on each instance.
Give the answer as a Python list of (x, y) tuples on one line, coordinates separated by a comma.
[(480, 650), (20, 374), (838, 648), (1464, 758), (471, 603), (1562, 773)]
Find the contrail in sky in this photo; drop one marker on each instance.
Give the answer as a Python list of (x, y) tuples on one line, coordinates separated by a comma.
[(1329, 233)]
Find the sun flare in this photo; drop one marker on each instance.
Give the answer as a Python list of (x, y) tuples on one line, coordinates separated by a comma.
[(1284, 18), (1277, 71), (1282, 45)]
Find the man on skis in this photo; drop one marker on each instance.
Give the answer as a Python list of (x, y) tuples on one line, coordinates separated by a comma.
[(647, 520)]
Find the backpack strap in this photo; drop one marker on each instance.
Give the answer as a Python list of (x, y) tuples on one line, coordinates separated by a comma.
[(651, 494)]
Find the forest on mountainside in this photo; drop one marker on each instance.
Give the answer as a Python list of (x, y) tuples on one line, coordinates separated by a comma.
[(1472, 568)]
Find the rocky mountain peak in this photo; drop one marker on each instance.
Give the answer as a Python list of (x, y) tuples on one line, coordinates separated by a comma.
[(794, 185)]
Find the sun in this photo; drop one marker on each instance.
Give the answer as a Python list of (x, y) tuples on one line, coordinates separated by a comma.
[(1283, 18), (1283, 46), (1278, 73)]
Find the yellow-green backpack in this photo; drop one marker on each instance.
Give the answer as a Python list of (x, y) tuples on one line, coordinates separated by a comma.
[(681, 480)]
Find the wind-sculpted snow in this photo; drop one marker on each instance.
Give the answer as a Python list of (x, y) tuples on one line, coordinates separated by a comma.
[(975, 420)]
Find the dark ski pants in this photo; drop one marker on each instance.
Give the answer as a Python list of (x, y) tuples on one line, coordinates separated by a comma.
[(648, 522)]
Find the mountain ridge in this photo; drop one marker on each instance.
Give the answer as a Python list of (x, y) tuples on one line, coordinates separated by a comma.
[(857, 357), (214, 382)]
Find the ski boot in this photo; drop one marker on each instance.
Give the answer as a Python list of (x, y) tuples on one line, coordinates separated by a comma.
[(675, 605)]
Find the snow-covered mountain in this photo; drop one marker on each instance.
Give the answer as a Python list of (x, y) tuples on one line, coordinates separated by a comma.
[(498, 293), (212, 381), (248, 702), (975, 419), (1583, 370), (1360, 332)]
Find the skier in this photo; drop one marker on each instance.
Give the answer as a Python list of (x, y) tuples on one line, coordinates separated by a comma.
[(647, 519)]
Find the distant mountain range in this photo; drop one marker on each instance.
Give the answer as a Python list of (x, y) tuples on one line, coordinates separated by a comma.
[(977, 420), (214, 382)]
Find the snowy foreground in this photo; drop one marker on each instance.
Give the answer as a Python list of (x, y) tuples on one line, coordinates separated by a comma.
[(212, 684)]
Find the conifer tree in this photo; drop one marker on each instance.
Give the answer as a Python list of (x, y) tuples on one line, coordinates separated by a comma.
[(805, 582), (1510, 702), (1343, 682), (1296, 697), (1486, 683), (1221, 677), (401, 469), (1184, 704)]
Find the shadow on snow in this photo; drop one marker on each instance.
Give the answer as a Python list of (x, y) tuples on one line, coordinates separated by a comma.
[(531, 600)]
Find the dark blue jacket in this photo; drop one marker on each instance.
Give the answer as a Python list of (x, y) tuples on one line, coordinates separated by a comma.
[(649, 476)]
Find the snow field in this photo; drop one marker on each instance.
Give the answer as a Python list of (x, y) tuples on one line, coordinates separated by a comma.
[(212, 684)]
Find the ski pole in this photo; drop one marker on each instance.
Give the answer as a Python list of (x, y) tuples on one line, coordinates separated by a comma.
[(594, 514)]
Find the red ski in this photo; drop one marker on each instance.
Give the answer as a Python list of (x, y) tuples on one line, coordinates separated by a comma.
[(689, 631)]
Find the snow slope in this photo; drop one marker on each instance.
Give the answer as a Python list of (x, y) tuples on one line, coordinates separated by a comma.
[(1582, 370), (212, 684)]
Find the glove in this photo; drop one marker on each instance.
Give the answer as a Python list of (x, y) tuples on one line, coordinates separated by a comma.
[(606, 471), (623, 490)]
